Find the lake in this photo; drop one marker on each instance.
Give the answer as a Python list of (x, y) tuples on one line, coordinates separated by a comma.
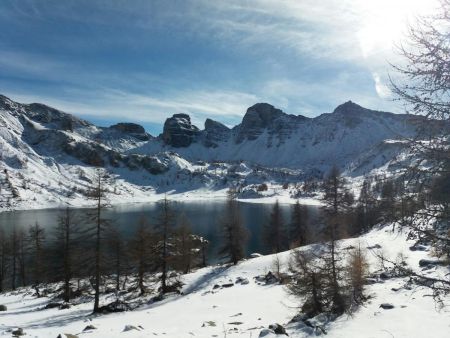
[(204, 217)]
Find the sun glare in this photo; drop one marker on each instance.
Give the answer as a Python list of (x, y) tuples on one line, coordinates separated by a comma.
[(384, 22)]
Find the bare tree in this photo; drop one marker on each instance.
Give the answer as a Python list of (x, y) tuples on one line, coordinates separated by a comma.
[(117, 255), (275, 230), (14, 253), (3, 259), (422, 83), (308, 282), (337, 203), (299, 227), (234, 234), (141, 248), (98, 193), (36, 238), (164, 230), (357, 273), (185, 245), (67, 236)]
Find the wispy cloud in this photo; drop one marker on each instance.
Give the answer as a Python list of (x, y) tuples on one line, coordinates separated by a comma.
[(145, 60)]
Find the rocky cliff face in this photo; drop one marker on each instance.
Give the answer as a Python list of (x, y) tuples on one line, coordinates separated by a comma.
[(263, 117), (178, 131), (215, 133)]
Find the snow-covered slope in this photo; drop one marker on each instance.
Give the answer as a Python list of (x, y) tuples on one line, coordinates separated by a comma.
[(47, 153), (245, 307)]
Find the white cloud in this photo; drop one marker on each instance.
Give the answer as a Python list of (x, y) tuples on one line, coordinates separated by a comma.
[(381, 88)]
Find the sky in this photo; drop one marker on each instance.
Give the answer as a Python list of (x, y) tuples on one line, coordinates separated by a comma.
[(144, 60)]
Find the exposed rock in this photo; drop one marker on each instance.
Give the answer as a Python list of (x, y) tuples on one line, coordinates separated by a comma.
[(376, 246), (89, 328), (278, 329), (132, 129), (215, 132), (3, 307), (52, 305), (267, 333), (64, 306), (264, 116), (268, 278), (227, 285), (67, 335), (53, 118), (18, 332), (178, 131), (242, 281), (418, 247), (386, 306), (129, 128), (116, 306), (130, 328), (385, 275), (433, 262)]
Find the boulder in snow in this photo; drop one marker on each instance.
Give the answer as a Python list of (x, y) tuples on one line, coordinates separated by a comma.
[(89, 328), (278, 329), (387, 306), (130, 328), (18, 332)]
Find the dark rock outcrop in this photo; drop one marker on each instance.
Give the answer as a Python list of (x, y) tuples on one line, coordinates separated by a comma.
[(133, 129), (178, 131), (265, 117), (215, 132)]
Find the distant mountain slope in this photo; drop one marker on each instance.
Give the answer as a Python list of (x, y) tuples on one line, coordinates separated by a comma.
[(46, 152), (269, 137)]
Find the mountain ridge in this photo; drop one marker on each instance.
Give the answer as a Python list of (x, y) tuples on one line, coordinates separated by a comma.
[(52, 151)]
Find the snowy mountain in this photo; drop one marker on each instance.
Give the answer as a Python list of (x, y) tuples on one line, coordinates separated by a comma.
[(51, 153)]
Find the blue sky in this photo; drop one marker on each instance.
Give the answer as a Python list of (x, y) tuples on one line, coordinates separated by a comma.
[(142, 61)]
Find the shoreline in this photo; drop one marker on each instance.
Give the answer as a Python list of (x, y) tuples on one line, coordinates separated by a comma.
[(185, 197)]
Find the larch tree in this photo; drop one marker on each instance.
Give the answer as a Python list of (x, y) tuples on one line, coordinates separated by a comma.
[(337, 202), (164, 231), (98, 192), (67, 236), (36, 237), (299, 227), (234, 233), (185, 245), (141, 249), (3, 259), (275, 234)]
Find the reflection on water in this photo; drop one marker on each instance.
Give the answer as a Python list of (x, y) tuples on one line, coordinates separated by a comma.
[(203, 216)]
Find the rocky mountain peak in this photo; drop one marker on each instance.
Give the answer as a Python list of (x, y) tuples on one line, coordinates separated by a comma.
[(132, 129), (178, 131), (349, 108), (215, 132)]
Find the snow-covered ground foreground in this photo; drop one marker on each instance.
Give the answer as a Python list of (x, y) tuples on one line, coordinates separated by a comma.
[(205, 310)]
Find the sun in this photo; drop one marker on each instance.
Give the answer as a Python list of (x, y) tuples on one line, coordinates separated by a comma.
[(384, 22)]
